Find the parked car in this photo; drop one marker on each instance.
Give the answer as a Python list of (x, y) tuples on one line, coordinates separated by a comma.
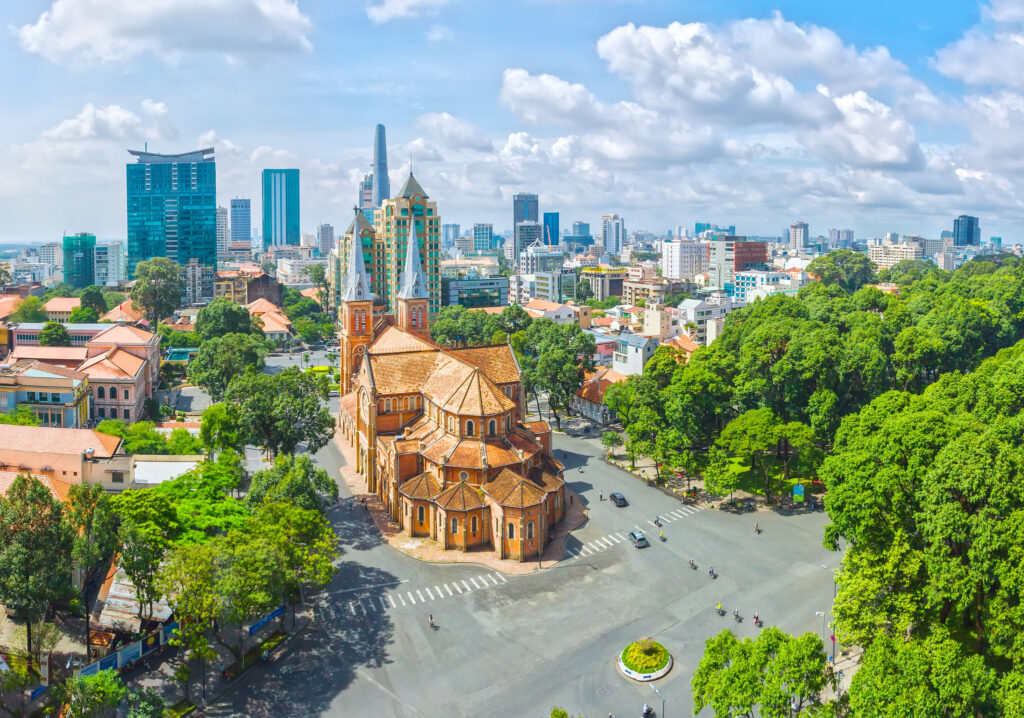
[(638, 539), (618, 499)]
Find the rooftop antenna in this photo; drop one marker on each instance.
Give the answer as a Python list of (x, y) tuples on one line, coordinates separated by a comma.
[(145, 146)]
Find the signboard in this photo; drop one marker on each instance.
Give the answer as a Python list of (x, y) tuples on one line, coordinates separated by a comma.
[(798, 492), (108, 662), (37, 692), (150, 643), (266, 619)]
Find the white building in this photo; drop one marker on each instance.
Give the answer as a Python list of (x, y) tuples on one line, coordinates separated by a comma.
[(683, 259), (556, 312), (524, 288), (223, 235), (701, 313), (291, 272), (109, 264), (52, 253), (745, 284), (613, 233), (799, 236), (887, 255), (632, 352), (539, 257)]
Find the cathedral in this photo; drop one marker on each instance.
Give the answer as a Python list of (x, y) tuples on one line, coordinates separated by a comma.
[(440, 434)]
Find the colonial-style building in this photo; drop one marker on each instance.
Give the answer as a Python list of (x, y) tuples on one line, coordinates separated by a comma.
[(439, 434)]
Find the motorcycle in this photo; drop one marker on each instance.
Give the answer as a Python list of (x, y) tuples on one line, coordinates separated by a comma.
[(737, 616), (693, 565), (720, 611), (758, 622)]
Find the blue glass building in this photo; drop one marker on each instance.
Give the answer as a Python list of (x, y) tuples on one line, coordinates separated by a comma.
[(551, 232), (280, 208), (966, 231), (172, 210), (380, 182)]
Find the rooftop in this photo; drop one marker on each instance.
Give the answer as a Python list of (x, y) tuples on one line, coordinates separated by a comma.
[(146, 157), (62, 304), (53, 440), (122, 334)]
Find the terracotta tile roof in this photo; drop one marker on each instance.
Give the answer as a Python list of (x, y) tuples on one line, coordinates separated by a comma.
[(603, 321), (497, 360), (538, 427), (510, 489), (437, 451), (536, 314), (597, 384), (489, 310), (467, 455), (40, 367), (48, 353), (401, 373), (57, 487), (460, 497), (311, 293), (8, 303), (500, 454), (122, 334), (423, 486), (275, 323), (62, 304), (393, 340), (527, 447), (115, 363), (543, 305), (262, 306), (460, 388), (54, 440), (546, 481), (348, 403), (123, 312), (683, 344)]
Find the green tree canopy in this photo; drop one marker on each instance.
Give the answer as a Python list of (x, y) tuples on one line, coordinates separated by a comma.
[(221, 359), (158, 288), (92, 298), (295, 480), (222, 317), (29, 309), (90, 696), (54, 334)]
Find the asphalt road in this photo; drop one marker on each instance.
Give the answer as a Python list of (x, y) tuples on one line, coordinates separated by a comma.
[(516, 646)]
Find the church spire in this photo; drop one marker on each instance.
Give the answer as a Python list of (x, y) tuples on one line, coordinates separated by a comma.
[(357, 284), (414, 282)]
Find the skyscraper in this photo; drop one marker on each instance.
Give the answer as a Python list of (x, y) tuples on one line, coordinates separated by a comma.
[(280, 208), (325, 239), (525, 208), (222, 234), (381, 183), (483, 237), (241, 220), (80, 260), (366, 196), (966, 231), (526, 233), (551, 231), (108, 264), (613, 233), (449, 232), (172, 211), (799, 235)]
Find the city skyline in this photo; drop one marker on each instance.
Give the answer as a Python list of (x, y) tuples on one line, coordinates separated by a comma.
[(813, 113)]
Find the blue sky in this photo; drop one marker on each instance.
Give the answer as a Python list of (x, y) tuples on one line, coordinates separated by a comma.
[(871, 115)]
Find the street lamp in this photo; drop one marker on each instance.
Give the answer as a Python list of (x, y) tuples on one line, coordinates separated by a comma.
[(655, 689)]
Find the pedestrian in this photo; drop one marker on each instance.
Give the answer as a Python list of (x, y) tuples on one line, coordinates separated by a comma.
[(572, 498)]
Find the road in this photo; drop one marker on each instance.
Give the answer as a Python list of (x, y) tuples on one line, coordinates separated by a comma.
[(516, 646)]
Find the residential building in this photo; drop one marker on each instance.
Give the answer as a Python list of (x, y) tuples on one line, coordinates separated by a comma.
[(799, 237), (69, 455), (613, 233), (483, 237), (463, 245), (294, 272), (472, 292), (223, 234), (525, 208), (381, 188), (526, 233), (697, 316), (325, 239), (27, 333), (641, 272), (57, 396), (584, 314), (58, 309), (550, 286), (198, 283), (966, 231), (52, 253), (172, 212), (683, 259), (632, 352), (80, 260), (589, 398), (276, 325), (540, 257), (887, 255), (280, 208), (440, 434), (636, 291), (551, 231), (108, 264), (556, 312), (408, 216), (248, 284), (748, 285), (241, 222), (605, 281), (729, 254)]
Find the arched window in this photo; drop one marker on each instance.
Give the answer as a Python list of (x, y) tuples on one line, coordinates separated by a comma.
[(451, 423), (100, 393), (387, 405), (511, 530), (419, 514), (492, 427), (455, 525), (113, 392), (470, 428), (529, 529), (472, 525)]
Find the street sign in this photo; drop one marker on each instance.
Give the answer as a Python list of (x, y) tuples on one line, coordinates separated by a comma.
[(798, 492)]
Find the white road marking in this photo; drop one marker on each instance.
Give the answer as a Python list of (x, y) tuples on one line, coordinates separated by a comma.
[(418, 593), (370, 601), (411, 599), (401, 599), (468, 589), (493, 579), (352, 607), (456, 584), (652, 523), (429, 593), (362, 609), (383, 606), (615, 538), (439, 594), (392, 599), (448, 590), (475, 584), (605, 541), (503, 579), (586, 551)]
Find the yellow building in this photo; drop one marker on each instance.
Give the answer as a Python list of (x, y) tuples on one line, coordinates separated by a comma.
[(56, 395)]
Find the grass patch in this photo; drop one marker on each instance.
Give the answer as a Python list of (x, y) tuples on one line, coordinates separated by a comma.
[(181, 708), (645, 656)]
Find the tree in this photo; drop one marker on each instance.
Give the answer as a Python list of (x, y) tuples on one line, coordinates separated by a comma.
[(20, 416), (139, 438), (281, 411), (91, 520), (35, 550), (221, 428), (565, 353), (89, 696), (182, 442), (141, 547), (512, 319), (222, 358), (843, 267), (611, 441), (146, 703), (158, 288), (83, 315), (202, 502), (92, 298), (720, 477), (583, 290), (54, 334), (250, 579), (317, 274), (5, 276), (222, 317), (14, 685), (750, 435), (295, 480), (30, 309)]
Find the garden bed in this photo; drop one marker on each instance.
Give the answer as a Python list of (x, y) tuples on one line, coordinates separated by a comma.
[(252, 656), (645, 660)]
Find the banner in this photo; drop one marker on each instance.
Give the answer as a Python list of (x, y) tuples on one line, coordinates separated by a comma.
[(266, 619), (129, 654)]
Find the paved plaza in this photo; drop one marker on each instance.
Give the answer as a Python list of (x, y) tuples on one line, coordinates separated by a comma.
[(516, 645)]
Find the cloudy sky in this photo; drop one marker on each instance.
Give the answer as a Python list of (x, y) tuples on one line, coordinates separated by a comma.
[(880, 116)]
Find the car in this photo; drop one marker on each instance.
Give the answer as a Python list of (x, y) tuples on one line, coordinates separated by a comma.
[(618, 499), (638, 539)]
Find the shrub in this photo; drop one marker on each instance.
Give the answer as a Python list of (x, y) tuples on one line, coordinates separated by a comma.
[(645, 656)]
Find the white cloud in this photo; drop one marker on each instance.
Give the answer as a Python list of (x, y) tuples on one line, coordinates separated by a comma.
[(869, 135), (439, 33), (387, 10), (113, 122), (116, 30), (1006, 10), (454, 132)]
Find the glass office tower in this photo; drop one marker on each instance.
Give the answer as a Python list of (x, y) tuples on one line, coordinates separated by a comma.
[(280, 208)]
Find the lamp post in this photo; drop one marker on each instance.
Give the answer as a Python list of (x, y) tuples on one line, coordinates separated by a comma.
[(655, 689)]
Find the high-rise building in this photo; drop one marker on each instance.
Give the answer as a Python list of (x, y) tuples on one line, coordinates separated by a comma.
[(52, 254), (966, 231), (172, 211), (223, 236), (448, 234), (728, 255), (366, 195), (325, 239), (540, 257), (682, 259), (613, 233), (381, 184), (241, 220), (108, 264), (581, 229), (280, 208), (483, 237), (526, 233), (799, 236), (80, 260), (525, 208), (551, 232)]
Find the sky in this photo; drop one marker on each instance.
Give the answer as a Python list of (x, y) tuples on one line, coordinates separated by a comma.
[(877, 116)]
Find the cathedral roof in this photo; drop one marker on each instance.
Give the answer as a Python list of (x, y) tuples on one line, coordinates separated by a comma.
[(498, 361), (394, 341), (423, 486), (510, 489), (414, 280), (359, 221), (460, 497), (461, 388), (401, 373), (410, 188), (357, 284)]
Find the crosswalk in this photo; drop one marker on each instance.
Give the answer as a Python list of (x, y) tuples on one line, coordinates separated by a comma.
[(372, 605), (589, 548)]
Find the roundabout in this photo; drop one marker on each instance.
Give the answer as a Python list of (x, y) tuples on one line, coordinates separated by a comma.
[(645, 660)]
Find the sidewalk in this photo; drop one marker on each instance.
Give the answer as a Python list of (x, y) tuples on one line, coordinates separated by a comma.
[(427, 550)]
